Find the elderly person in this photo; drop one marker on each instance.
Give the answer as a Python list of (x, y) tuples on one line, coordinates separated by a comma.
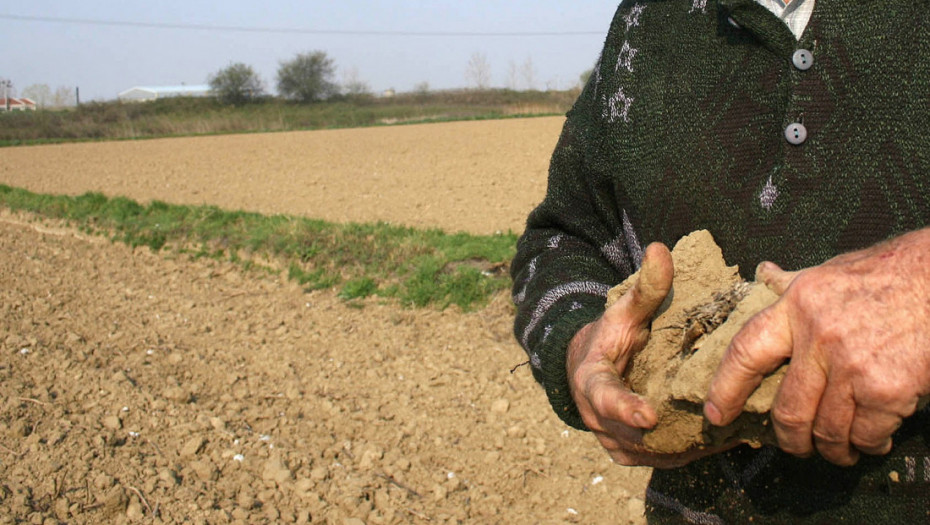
[(798, 134)]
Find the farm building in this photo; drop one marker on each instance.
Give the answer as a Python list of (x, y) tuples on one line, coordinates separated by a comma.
[(146, 93), (17, 104)]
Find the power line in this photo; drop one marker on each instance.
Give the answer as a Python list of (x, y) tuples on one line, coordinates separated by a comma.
[(289, 30)]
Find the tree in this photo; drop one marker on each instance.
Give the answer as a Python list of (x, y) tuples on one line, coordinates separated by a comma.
[(40, 93), (529, 74), (307, 78), (478, 71), (236, 84), (422, 88), (352, 85), (64, 96), (512, 76)]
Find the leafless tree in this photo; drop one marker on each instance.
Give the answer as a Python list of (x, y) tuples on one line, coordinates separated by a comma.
[(478, 72), (529, 74), (352, 84), (422, 88), (40, 93), (63, 97), (512, 76)]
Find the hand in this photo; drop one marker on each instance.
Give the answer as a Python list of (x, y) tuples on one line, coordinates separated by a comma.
[(599, 353), (857, 331)]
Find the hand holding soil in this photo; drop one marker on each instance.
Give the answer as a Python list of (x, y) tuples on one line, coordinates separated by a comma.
[(707, 305), (855, 330), (599, 353)]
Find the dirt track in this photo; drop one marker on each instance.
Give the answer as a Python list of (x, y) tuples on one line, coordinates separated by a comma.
[(150, 388)]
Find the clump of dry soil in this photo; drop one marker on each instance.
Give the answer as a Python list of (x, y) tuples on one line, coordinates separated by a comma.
[(706, 307)]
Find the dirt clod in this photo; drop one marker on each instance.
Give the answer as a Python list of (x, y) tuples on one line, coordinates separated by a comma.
[(706, 307)]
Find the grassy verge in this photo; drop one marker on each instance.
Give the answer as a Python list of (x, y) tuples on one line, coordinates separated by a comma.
[(419, 267), (206, 116)]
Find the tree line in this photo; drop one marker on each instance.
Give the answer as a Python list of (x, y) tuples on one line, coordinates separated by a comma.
[(41, 94), (308, 77)]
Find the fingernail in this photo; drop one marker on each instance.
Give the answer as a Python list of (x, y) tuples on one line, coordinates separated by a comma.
[(761, 269), (712, 413), (639, 420)]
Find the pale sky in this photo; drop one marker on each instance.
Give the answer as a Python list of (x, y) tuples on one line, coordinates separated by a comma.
[(62, 43)]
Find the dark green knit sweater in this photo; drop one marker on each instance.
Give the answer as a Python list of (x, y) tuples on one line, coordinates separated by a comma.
[(683, 127)]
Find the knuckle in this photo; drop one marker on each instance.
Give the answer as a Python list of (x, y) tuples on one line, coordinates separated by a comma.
[(741, 357), (805, 282), (891, 395), (789, 419), (830, 436), (595, 392), (870, 443)]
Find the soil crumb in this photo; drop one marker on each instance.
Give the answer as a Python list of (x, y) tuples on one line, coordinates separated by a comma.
[(706, 307)]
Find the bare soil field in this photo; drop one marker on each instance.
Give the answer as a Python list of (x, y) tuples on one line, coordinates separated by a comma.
[(140, 387), (479, 177)]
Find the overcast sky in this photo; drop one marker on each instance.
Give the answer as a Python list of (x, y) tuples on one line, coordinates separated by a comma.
[(168, 42)]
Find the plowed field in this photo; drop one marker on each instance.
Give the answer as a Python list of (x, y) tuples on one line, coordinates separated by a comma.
[(152, 388)]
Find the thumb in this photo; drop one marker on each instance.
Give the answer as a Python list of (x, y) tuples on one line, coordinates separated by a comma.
[(653, 284), (774, 277), (614, 401)]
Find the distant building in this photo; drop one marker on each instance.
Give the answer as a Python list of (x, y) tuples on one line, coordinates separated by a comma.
[(147, 93), (17, 104)]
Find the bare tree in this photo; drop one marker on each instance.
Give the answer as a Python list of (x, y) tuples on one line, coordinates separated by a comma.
[(40, 93), (421, 88), (63, 97), (512, 76), (478, 72), (529, 74), (352, 85), (553, 84)]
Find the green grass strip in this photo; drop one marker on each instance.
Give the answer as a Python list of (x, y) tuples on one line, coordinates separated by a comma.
[(419, 267)]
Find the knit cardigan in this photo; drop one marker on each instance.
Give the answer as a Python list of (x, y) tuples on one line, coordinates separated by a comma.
[(704, 114)]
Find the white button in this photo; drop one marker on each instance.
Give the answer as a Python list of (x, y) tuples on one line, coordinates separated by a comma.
[(803, 59), (796, 133)]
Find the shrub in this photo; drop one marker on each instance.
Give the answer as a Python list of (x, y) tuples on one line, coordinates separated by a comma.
[(307, 78), (236, 84)]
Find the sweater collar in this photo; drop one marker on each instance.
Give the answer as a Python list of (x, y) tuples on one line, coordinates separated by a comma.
[(795, 14), (755, 18)]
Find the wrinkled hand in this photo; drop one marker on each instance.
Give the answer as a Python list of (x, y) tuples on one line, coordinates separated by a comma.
[(599, 353), (857, 331)]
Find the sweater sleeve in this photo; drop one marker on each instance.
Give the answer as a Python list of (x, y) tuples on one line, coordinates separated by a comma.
[(578, 243)]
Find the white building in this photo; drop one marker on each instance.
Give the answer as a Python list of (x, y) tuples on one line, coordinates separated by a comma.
[(147, 93), (17, 104)]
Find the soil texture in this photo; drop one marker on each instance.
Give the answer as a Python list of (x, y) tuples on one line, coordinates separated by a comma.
[(706, 307), (140, 387)]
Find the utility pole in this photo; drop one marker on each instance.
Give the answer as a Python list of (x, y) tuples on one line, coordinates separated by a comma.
[(7, 87)]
